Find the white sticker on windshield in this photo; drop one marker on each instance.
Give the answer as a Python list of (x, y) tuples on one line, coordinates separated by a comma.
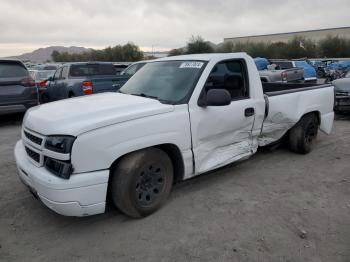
[(191, 65)]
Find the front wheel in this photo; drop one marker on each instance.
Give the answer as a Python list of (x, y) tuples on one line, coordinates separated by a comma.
[(142, 182), (303, 134)]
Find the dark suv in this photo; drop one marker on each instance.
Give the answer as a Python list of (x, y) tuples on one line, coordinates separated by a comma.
[(18, 91)]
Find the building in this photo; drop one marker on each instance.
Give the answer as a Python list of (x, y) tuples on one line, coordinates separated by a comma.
[(314, 35)]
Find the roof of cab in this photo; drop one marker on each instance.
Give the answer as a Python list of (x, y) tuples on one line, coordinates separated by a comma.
[(204, 57)]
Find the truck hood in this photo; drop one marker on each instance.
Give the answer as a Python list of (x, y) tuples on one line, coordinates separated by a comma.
[(82, 114), (342, 85)]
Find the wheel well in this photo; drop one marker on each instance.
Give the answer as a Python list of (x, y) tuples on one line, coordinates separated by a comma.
[(176, 158), (317, 114), (172, 151)]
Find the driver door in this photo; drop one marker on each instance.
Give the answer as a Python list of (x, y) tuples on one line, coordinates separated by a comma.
[(223, 134), (52, 89)]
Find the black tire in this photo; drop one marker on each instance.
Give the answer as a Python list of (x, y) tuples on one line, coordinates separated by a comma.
[(142, 182), (303, 134)]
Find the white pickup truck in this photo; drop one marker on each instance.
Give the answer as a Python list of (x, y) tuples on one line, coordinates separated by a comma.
[(177, 118)]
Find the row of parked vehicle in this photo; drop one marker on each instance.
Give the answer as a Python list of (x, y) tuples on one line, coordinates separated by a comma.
[(22, 88), (278, 70)]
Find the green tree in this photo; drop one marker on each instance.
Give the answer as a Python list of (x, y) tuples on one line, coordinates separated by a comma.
[(197, 45), (175, 52), (119, 53), (334, 47)]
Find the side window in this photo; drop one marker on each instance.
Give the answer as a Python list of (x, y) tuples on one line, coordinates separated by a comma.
[(64, 74), (57, 74), (230, 75)]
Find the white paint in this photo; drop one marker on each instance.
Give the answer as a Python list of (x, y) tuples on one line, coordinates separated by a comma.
[(110, 125)]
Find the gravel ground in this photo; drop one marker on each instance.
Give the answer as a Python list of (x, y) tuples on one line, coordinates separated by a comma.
[(277, 206)]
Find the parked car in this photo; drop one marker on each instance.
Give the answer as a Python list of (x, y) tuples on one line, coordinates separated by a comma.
[(17, 89), (41, 78), (270, 73), (309, 71), (177, 118), (342, 94), (84, 78)]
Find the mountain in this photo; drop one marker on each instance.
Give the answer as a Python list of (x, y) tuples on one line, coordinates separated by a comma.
[(42, 55)]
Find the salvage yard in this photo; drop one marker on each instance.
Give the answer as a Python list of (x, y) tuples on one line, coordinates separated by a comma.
[(279, 206)]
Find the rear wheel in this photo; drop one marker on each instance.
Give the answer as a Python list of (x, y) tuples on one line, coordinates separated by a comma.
[(303, 134), (141, 182)]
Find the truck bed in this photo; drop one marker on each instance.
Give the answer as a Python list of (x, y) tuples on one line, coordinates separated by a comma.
[(287, 103), (274, 89)]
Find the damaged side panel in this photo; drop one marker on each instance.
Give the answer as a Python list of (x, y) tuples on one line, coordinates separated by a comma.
[(287, 109)]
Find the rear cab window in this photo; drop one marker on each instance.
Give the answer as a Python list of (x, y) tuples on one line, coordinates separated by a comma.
[(283, 64), (80, 70)]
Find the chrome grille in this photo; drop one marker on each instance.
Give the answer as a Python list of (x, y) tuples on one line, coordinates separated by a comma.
[(33, 138), (33, 155)]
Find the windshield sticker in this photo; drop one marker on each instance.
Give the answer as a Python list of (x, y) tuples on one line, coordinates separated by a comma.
[(191, 65)]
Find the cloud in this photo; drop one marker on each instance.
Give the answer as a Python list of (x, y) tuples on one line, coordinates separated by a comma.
[(163, 24)]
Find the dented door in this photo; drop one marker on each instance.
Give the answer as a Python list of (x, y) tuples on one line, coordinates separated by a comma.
[(221, 135)]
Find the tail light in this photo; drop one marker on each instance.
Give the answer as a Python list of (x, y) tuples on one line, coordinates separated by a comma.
[(42, 83), (284, 76), (87, 87), (28, 82)]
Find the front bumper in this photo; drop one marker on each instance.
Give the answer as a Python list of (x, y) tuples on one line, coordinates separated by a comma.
[(82, 195)]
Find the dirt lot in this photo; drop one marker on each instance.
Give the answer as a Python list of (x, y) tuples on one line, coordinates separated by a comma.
[(254, 211)]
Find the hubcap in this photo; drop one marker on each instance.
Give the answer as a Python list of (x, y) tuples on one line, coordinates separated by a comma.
[(149, 185)]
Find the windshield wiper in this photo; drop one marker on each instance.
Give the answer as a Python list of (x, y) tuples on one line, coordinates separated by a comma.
[(147, 96)]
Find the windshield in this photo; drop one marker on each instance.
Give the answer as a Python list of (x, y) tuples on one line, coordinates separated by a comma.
[(168, 81), (43, 75)]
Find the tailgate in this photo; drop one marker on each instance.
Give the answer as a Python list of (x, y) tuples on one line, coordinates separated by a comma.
[(108, 84), (294, 74), (12, 90)]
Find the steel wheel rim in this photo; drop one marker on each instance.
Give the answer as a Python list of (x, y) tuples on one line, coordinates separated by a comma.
[(149, 185)]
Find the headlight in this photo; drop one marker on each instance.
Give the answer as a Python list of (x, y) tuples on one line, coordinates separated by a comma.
[(60, 144)]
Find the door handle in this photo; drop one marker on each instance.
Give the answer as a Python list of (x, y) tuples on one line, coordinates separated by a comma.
[(249, 111)]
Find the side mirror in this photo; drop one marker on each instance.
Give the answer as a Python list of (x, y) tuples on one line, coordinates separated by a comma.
[(50, 79), (216, 97)]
